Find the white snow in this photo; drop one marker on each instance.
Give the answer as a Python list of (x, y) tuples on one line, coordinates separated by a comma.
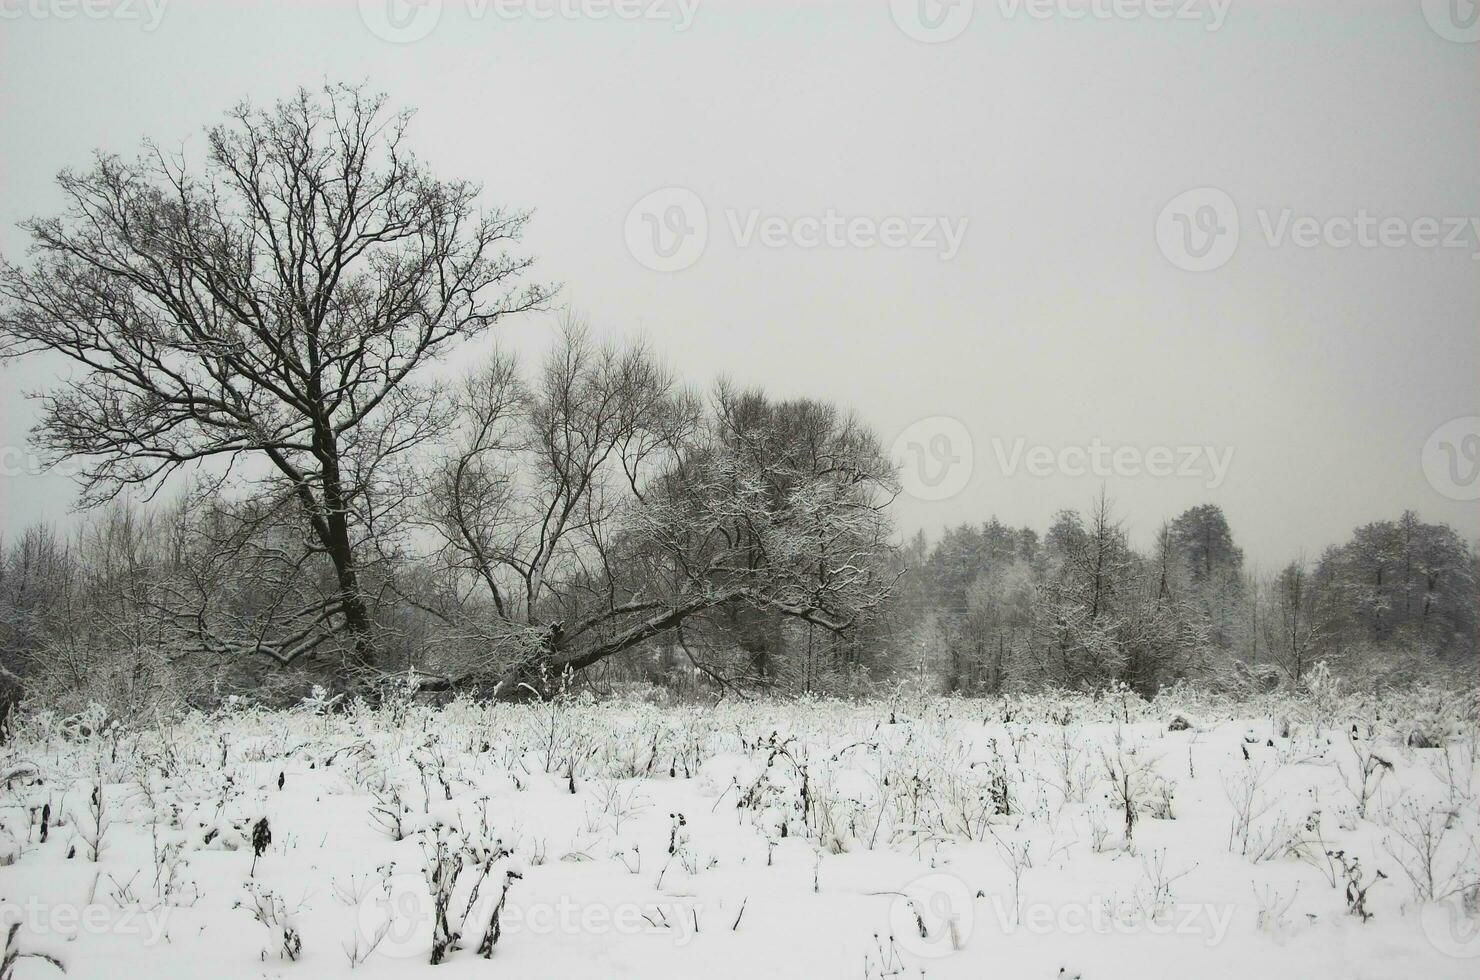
[(764, 839)]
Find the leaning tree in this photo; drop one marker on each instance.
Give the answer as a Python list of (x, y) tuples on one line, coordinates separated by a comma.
[(263, 315), (601, 506)]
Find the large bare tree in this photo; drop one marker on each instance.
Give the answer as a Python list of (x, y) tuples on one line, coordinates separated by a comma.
[(264, 314)]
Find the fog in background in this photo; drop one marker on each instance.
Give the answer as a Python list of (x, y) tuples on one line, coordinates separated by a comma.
[(1059, 321)]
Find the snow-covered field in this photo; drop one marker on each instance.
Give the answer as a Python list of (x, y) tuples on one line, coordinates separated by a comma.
[(1029, 837)]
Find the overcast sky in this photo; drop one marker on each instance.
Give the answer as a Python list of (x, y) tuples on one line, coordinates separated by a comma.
[(968, 223)]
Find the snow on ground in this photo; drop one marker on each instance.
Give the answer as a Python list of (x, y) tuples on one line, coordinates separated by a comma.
[(1030, 837)]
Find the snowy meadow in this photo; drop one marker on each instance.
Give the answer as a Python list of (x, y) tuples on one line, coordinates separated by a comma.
[(1320, 835), (660, 489)]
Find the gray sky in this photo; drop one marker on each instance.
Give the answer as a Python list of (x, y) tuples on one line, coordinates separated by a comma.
[(1064, 318)]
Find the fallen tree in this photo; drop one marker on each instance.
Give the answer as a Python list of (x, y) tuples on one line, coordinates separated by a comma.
[(603, 506)]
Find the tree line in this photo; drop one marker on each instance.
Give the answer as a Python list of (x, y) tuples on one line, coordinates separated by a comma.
[(295, 478), (997, 608)]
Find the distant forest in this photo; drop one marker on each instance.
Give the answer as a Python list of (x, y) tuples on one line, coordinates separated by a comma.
[(986, 609), (997, 608)]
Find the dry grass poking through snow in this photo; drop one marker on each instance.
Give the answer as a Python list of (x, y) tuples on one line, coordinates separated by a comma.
[(1044, 836)]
